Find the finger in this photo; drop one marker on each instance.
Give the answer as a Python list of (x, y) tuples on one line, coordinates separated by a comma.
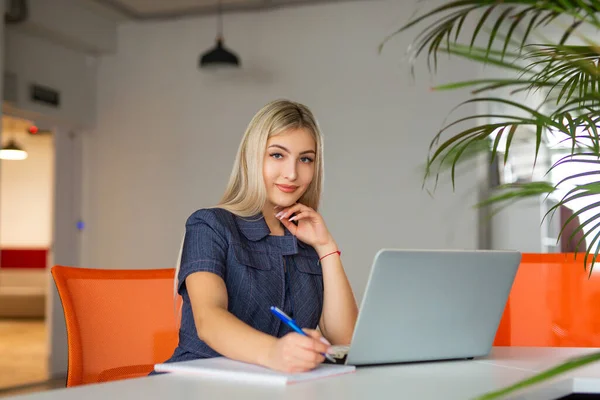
[(311, 362), (290, 226), (285, 213), (312, 344), (299, 216), (280, 210), (300, 350), (306, 358), (301, 367)]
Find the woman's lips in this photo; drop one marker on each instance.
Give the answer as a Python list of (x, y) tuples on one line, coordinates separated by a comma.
[(287, 188)]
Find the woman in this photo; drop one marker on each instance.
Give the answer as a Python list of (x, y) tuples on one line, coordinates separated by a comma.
[(266, 245)]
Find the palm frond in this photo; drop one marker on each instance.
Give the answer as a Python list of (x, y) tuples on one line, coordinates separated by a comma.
[(573, 363), (517, 191), (535, 118), (450, 18), (559, 70)]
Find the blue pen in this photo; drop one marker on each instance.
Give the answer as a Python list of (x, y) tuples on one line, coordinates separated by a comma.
[(292, 324)]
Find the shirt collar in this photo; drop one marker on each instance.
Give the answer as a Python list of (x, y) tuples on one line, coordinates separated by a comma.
[(254, 228)]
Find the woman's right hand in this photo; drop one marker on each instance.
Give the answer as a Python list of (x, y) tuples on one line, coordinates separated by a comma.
[(297, 353)]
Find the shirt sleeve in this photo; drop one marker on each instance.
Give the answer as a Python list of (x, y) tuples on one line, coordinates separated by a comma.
[(204, 247)]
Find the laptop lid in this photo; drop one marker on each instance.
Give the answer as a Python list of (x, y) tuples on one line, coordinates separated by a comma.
[(424, 305)]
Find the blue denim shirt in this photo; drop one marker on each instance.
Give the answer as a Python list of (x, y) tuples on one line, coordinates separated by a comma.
[(259, 271)]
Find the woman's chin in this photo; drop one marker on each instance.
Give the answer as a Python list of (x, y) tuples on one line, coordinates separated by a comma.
[(283, 203)]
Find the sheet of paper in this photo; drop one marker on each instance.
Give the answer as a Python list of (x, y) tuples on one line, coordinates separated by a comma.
[(227, 369)]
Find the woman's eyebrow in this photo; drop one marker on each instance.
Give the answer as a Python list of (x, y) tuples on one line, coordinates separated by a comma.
[(286, 150)]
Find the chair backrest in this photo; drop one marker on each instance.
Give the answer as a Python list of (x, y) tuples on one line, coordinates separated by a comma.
[(119, 322), (554, 302)]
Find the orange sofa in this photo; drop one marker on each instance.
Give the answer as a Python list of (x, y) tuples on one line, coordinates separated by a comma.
[(554, 301)]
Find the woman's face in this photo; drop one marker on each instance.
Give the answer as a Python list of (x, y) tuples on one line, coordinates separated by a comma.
[(289, 166)]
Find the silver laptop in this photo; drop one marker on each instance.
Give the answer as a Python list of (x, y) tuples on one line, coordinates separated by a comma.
[(431, 305)]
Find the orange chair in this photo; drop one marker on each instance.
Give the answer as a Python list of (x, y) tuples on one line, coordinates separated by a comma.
[(119, 322), (554, 302)]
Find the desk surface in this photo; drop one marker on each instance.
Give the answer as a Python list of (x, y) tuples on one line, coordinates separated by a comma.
[(434, 380)]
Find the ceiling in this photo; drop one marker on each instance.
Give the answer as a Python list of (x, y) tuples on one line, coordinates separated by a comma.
[(166, 9)]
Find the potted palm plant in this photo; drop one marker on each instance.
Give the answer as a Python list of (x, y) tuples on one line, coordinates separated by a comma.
[(540, 50)]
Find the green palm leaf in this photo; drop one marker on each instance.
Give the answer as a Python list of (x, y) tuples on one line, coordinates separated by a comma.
[(569, 365), (542, 12), (560, 68), (514, 192)]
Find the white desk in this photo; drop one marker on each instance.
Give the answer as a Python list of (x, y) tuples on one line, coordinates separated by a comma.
[(437, 380)]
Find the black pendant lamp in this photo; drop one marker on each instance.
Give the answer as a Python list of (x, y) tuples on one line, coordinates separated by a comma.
[(219, 56)]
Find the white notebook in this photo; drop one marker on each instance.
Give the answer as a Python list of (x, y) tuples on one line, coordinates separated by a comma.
[(227, 369)]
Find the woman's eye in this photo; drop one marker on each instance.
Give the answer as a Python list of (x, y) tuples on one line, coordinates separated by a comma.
[(277, 156), (306, 160)]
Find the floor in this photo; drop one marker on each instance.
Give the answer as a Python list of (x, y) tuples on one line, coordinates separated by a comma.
[(23, 364)]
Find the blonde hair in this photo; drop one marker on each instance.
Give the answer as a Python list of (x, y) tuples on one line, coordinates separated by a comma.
[(245, 195)]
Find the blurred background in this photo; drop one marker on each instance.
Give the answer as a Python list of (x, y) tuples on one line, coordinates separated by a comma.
[(114, 131)]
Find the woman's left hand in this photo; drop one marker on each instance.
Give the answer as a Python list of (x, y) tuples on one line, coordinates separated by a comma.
[(311, 228)]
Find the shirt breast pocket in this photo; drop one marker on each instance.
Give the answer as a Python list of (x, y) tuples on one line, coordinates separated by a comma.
[(253, 284), (308, 290), (308, 265)]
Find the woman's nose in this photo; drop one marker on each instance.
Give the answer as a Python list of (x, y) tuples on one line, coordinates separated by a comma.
[(290, 171)]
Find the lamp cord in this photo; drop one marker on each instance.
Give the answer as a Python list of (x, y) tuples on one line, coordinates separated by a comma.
[(219, 21)]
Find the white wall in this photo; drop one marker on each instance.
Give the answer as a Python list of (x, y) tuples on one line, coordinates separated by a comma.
[(167, 132), (66, 249), (27, 191), (79, 25), (71, 72)]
